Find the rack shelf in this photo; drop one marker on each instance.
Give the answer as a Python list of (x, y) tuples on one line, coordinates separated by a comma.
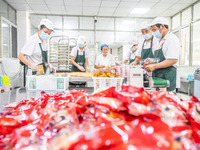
[(59, 51)]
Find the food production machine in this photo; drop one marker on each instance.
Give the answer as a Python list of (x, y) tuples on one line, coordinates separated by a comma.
[(140, 78)]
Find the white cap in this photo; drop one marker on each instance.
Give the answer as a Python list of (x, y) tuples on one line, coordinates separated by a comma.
[(160, 20), (134, 41), (81, 39), (145, 25), (47, 23)]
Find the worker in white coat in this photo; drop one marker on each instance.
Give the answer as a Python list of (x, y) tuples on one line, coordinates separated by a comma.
[(104, 59), (131, 55), (168, 52), (79, 56), (148, 44), (35, 51)]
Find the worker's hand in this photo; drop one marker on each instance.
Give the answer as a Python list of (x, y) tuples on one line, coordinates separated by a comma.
[(80, 68), (88, 69), (149, 61), (102, 66), (133, 64), (112, 68), (150, 67), (52, 68), (121, 62), (34, 67)]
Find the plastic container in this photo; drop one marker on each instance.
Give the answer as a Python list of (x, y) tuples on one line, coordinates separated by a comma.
[(102, 83), (5, 80), (123, 70), (1, 83), (7, 88), (150, 60), (47, 82)]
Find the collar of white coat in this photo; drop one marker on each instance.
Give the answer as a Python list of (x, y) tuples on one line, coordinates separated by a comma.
[(131, 52), (81, 50), (38, 38), (108, 54), (145, 42), (165, 37)]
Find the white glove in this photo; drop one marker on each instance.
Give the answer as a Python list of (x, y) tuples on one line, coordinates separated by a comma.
[(80, 68), (34, 67), (149, 61), (88, 69), (52, 68)]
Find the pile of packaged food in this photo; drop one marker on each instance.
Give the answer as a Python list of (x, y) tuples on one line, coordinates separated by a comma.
[(109, 72), (129, 119)]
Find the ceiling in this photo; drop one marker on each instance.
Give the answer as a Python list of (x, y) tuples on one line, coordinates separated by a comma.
[(112, 8)]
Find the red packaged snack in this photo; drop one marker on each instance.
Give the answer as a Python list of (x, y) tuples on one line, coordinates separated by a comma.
[(128, 119)]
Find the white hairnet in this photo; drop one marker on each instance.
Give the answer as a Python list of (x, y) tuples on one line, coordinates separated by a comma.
[(47, 23)]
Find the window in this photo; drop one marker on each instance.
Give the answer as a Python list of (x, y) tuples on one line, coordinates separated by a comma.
[(196, 12), (185, 46), (176, 21), (71, 34), (35, 21), (57, 21), (125, 24), (196, 44), (70, 22), (186, 16), (86, 23), (124, 36), (7, 12), (3, 9), (5, 39), (89, 35), (104, 36), (12, 15), (139, 21), (105, 24)]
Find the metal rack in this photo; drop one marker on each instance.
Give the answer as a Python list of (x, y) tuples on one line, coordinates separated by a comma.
[(59, 52)]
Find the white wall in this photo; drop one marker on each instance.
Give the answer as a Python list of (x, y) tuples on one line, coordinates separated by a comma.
[(115, 51), (23, 28)]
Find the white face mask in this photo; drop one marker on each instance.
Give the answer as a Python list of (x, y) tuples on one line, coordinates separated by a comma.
[(157, 34), (105, 54), (44, 36), (147, 36), (80, 45)]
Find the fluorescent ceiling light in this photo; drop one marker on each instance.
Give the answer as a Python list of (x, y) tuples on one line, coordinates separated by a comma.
[(139, 10), (128, 22)]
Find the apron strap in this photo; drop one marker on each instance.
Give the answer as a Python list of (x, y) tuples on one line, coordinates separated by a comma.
[(44, 58), (152, 42), (41, 52), (76, 59), (143, 44), (84, 54), (164, 41), (76, 55)]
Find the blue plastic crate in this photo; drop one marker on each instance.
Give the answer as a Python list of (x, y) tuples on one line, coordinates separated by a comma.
[(1, 84), (190, 77)]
